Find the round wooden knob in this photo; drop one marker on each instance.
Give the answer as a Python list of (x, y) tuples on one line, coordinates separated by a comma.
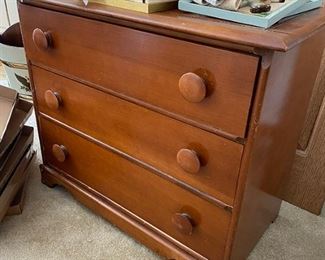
[(192, 87), (42, 40), (188, 160), (183, 222), (52, 99), (60, 152)]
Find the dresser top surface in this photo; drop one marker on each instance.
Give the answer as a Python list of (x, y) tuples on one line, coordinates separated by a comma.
[(282, 36)]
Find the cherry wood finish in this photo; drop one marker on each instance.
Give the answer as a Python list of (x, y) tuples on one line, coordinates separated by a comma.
[(305, 185), (184, 223), (130, 185), (281, 37), (155, 139), (189, 160), (52, 99), (153, 68), (193, 103), (59, 152), (153, 238), (192, 87), (279, 114), (42, 40)]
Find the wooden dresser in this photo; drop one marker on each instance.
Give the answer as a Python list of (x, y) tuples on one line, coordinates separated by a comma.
[(174, 127)]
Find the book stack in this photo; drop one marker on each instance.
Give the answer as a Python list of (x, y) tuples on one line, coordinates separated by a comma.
[(16, 152), (145, 6), (279, 10)]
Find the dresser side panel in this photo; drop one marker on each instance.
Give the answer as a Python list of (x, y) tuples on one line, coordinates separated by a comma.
[(279, 112)]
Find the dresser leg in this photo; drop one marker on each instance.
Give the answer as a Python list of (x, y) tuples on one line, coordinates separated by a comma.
[(46, 178)]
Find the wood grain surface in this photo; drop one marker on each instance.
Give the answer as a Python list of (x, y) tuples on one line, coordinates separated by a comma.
[(282, 36), (143, 134), (314, 107), (276, 127), (123, 119), (148, 69), (143, 193), (153, 238), (305, 185)]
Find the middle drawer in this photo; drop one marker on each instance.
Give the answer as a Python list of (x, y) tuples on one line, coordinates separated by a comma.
[(203, 160)]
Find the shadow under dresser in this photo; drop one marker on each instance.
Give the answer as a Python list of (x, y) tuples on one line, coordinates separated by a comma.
[(176, 128)]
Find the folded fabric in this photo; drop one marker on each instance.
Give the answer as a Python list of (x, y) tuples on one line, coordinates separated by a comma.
[(233, 5), (209, 2)]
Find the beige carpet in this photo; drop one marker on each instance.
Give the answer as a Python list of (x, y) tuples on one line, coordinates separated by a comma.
[(55, 226)]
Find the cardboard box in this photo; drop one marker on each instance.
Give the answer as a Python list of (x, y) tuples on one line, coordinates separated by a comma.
[(19, 116), (17, 205), (16, 150), (8, 98), (14, 174)]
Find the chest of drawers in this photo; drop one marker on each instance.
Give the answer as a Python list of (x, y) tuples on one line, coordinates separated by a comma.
[(174, 127)]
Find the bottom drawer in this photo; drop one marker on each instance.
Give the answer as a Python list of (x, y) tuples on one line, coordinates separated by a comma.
[(187, 218)]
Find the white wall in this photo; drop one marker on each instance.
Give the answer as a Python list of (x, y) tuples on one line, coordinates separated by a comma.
[(13, 11), (5, 20), (4, 23)]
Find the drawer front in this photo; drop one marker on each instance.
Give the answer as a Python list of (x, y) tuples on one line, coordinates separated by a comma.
[(196, 83), (148, 196), (153, 138)]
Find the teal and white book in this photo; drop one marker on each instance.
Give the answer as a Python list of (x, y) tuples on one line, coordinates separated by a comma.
[(312, 4), (244, 16)]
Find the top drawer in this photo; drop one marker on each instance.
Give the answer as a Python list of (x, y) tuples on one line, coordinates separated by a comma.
[(192, 82)]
